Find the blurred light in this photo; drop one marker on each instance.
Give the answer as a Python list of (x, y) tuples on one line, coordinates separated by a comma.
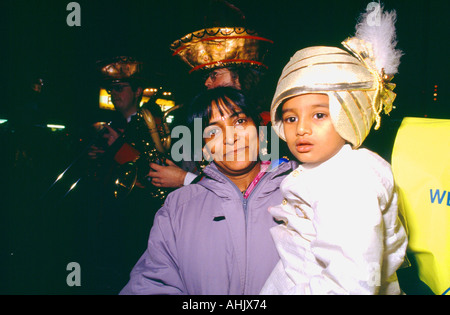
[(165, 104), (149, 91), (2, 121), (105, 100), (169, 119), (73, 186), (55, 126), (144, 100)]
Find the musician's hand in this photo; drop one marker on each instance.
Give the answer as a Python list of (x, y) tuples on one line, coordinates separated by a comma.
[(111, 135), (170, 176), (95, 152)]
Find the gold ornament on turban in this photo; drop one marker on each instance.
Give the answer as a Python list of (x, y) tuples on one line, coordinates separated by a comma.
[(364, 52)]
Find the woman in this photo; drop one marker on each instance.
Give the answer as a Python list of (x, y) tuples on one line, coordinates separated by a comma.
[(213, 237)]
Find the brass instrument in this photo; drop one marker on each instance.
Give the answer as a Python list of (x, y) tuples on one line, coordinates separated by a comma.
[(142, 134), (142, 137), (143, 142), (153, 145)]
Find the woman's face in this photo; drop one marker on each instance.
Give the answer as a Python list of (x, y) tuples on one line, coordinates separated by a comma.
[(231, 140)]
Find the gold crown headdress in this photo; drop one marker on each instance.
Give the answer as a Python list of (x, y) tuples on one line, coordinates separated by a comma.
[(121, 68), (218, 47), (357, 83)]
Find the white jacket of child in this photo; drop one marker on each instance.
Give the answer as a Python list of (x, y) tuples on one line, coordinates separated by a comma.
[(341, 232)]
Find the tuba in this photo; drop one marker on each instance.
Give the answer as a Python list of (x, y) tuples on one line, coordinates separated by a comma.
[(148, 142), (144, 141)]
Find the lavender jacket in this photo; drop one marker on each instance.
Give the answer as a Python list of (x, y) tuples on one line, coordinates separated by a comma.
[(208, 239)]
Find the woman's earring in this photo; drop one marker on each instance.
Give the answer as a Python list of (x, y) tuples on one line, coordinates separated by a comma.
[(207, 155)]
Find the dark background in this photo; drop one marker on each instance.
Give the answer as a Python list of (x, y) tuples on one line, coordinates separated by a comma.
[(38, 43)]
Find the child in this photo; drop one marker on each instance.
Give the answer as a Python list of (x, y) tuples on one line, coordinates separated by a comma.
[(341, 232)]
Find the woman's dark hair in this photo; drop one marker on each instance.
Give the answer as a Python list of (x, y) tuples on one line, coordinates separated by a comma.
[(201, 105)]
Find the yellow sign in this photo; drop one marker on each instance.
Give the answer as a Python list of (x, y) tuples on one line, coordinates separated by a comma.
[(165, 104), (421, 167), (106, 103), (105, 100)]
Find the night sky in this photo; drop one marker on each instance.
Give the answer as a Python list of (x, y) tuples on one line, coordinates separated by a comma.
[(39, 43)]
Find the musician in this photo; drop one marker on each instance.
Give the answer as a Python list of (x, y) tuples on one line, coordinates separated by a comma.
[(122, 82), (120, 226)]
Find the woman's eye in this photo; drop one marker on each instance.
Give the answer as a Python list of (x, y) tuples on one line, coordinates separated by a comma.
[(211, 132), (240, 121)]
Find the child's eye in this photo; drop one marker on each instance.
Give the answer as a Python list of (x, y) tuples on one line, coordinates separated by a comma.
[(320, 115), (290, 119)]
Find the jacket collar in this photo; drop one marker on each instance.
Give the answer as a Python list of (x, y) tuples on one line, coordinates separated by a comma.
[(223, 187)]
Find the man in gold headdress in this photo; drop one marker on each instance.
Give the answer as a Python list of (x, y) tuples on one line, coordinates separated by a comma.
[(224, 56)]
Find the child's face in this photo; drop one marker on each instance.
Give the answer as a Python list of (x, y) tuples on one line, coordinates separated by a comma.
[(310, 134)]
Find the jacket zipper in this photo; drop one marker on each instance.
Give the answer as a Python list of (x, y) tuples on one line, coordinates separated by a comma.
[(245, 206), (246, 214)]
